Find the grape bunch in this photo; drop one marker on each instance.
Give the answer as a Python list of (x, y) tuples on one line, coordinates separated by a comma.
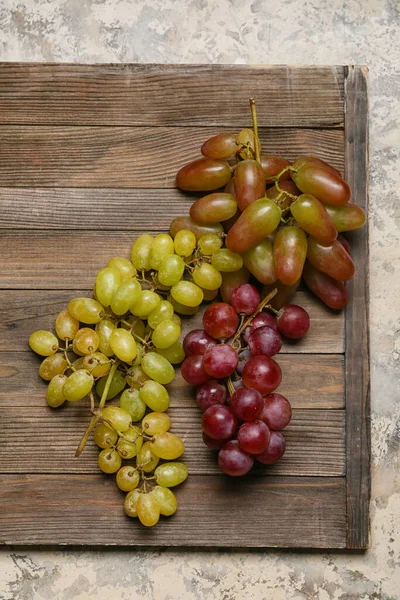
[(284, 220), (230, 361)]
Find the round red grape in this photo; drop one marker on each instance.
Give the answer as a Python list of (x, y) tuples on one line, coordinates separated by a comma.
[(275, 449), (210, 393), (265, 340), (197, 342), (193, 371), (243, 356), (246, 404), (260, 320), (213, 444), (293, 321), (262, 373), (277, 411), (219, 422), (232, 460), (245, 298), (220, 361), (220, 320), (253, 437)]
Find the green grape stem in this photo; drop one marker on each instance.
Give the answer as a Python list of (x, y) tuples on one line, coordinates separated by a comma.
[(255, 129), (230, 387)]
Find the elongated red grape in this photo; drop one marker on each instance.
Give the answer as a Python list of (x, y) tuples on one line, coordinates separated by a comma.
[(246, 404), (253, 437), (232, 280), (256, 222), (313, 160), (290, 251), (272, 165), (331, 259), (234, 461), (313, 217), (293, 321), (262, 373), (284, 295), (203, 174), (220, 320), (213, 208), (192, 370), (344, 243), (222, 145), (219, 422), (277, 411), (265, 340), (332, 292), (199, 229), (220, 361), (245, 298), (275, 449), (197, 342), (322, 183), (211, 393), (346, 217), (249, 181), (259, 260)]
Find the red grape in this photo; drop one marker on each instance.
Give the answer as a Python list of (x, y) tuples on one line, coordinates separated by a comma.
[(203, 174), (321, 182), (232, 460), (247, 404), (219, 422), (344, 242), (222, 145), (262, 373), (290, 251), (312, 216), (260, 320), (243, 356), (256, 222), (245, 298), (210, 393), (231, 280), (220, 320), (197, 342), (275, 449), (220, 361), (347, 217), (293, 321), (192, 370), (272, 165), (213, 208), (265, 340), (253, 437), (249, 181), (213, 444), (277, 411), (332, 292), (260, 261), (332, 259)]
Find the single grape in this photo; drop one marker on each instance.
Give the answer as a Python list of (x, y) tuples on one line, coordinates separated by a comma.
[(158, 368), (220, 320), (219, 422), (246, 142), (220, 361), (52, 365), (277, 411), (165, 499), (293, 321), (105, 437), (54, 394), (222, 145), (175, 354), (132, 401), (109, 461), (127, 478), (226, 261), (323, 183), (126, 450), (146, 460), (210, 393), (104, 330), (167, 445), (125, 296), (181, 308), (209, 243), (78, 385), (259, 260), (147, 302), (148, 510), (262, 319), (124, 266), (275, 449), (262, 373), (207, 277), (78, 363), (86, 341), (155, 396), (232, 280), (245, 298), (203, 174), (86, 310), (136, 377), (134, 435), (192, 370), (119, 418), (141, 252), (66, 326), (163, 312), (257, 221), (253, 437), (187, 293), (171, 474), (312, 216), (331, 259), (243, 357), (130, 503), (272, 165), (43, 342), (197, 342), (332, 292), (213, 444), (171, 270), (162, 246), (290, 251), (249, 181), (117, 385), (213, 208), (166, 334), (234, 461), (184, 242), (265, 340), (156, 422), (246, 404), (123, 344), (97, 364), (108, 281), (346, 217)]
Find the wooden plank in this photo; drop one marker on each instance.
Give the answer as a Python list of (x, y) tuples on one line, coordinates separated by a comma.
[(358, 407), (308, 381), (170, 94), (24, 311), (274, 511), (42, 440), (125, 157)]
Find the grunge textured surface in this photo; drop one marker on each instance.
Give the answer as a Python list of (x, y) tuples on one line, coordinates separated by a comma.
[(254, 32)]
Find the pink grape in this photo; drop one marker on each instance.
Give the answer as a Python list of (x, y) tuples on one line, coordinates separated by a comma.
[(293, 321), (197, 342), (247, 404), (210, 393), (193, 371), (219, 422), (220, 320), (244, 356), (262, 373), (277, 411), (213, 444), (275, 449), (232, 460), (245, 298), (220, 361), (265, 340), (253, 437)]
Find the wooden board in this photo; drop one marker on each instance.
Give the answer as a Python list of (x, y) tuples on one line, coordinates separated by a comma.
[(85, 165)]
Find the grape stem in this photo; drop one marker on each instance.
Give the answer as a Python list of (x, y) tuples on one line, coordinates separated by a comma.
[(255, 129), (230, 387), (248, 321), (281, 191)]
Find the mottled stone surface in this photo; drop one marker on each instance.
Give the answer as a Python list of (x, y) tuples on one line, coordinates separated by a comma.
[(240, 31)]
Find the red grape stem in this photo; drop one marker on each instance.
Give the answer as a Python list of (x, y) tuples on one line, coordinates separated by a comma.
[(257, 145), (230, 386), (283, 191), (284, 170), (263, 304)]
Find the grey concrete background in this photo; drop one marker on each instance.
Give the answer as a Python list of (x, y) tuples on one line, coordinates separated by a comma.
[(240, 31)]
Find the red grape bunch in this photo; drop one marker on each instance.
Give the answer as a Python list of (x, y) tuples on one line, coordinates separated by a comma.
[(230, 361)]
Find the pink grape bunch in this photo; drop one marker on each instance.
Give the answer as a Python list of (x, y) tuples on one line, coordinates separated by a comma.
[(230, 361)]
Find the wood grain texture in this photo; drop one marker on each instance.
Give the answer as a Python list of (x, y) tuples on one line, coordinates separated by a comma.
[(308, 381), (126, 157), (170, 95), (25, 311), (285, 512), (358, 406), (42, 440)]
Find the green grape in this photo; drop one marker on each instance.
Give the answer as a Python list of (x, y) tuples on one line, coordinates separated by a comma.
[(181, 308), (127, 478), (166, 334), (187, 293), (78, 363), (199, 229), (146, 303), (108, 281), (117, 385), (136, 376), (257, 221), (175, 354), (104, 436), (141, 252), (207, 277), (166, 500), (346, 217), (226, 261), (246, 142), (209, 244), (66, 326), (54, 394), (109, 461), (146, 460), (119, 418), (171, 270), (86, 341), (260, 261), (124, 266), (104, 330), (125, 296), (123, 344), (131, 400), (162, 246), (130, 503), (78, 385), (155, 396), (214, 208), (148, 510), (97, 364), (184, 243), (129, 446), (43, 342), (162, 313), (126, 450), (167, 445), (52, 365), (156, 422), (171, 474), (232, 280), (158, 368), (86, 310)]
